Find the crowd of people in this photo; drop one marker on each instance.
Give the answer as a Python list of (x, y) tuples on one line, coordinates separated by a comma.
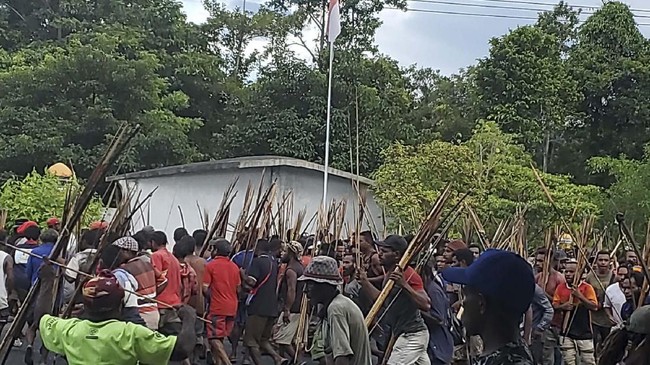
[(151, 301)]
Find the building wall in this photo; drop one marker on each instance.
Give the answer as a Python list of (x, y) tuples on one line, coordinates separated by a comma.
[(206, 189), (307, 186)]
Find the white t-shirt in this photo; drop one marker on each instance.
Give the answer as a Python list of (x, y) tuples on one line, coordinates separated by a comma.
[(614, 298)]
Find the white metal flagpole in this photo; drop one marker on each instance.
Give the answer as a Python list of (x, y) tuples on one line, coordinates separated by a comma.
[(327, 128), (333, 30)]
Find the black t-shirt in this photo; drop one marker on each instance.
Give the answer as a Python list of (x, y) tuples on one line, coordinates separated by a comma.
[(580, 323), (403, 315), (264, 298)]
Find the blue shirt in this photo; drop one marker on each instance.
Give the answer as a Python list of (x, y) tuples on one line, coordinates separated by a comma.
[(34, 264), (243, 259), (21, 280), (441, 344), (628, 308)]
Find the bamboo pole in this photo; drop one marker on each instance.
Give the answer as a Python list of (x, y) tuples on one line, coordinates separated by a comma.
[(89, 276), (480, 231), (449, 221), (115, 148), (424, 236), (222, 214), (301, 337)]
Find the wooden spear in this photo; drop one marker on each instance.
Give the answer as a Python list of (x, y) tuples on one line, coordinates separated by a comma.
[(115, 148), (89, 276), (424, 236)]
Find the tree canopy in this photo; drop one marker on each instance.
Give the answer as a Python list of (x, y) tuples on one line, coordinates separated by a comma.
[(492, 168)]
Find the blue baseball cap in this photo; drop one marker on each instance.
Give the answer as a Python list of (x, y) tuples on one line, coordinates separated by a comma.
[(500, 275)]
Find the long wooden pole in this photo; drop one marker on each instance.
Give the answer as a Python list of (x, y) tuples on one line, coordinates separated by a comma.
[(117, 145), (422, 238), (79, 272)]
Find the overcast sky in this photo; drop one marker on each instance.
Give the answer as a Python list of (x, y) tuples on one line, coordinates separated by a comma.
[(445, 41)]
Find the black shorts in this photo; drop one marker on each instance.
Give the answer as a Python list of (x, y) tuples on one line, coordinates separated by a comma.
[(170, 324)]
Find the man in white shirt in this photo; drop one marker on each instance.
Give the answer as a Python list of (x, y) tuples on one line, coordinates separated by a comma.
[(615, 298)]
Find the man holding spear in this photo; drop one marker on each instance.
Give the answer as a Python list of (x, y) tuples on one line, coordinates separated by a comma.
[(404, 304), (104, 339), (576, 299), (345, 335)]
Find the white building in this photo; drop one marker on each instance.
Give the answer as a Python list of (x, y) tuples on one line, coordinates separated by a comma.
[(204, 183)]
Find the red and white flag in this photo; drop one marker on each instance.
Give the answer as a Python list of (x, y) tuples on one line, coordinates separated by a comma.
[(333, 21)]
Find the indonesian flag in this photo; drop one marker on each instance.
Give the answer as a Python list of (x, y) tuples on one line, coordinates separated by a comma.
[(333, 21)]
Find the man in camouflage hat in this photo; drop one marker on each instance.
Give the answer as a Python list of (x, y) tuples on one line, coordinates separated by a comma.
[(344, 333)]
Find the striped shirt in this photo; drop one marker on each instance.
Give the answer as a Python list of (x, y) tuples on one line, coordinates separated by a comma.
[(148, 279)]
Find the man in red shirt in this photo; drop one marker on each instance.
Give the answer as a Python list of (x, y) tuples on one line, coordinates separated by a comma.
[(221, 282), (166, 263), (407, 299)]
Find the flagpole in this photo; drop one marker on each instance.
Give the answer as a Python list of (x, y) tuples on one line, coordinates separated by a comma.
[(327, 127)]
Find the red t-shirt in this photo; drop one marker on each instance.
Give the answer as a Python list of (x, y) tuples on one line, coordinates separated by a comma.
[(222, 277), (168, 265), (413, 279)]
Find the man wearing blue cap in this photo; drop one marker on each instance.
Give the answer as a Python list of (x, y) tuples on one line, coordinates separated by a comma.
[(498, 290)]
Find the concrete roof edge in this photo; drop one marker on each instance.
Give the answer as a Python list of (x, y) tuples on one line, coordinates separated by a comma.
[(237, 163)]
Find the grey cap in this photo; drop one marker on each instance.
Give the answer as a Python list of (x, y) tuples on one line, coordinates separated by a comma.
[(148, 229)]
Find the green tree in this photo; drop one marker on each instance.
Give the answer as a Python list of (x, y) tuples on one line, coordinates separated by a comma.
[(62, 103), (629, 192), (359, 23), (525, 87), (38, 197), (445, 107), (611, 64), (490, 166), (287, 110)]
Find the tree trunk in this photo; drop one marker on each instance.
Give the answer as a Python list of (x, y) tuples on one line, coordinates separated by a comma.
[(547, 151)]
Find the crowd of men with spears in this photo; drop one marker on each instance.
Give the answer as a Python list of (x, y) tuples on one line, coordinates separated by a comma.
[(262, 289)]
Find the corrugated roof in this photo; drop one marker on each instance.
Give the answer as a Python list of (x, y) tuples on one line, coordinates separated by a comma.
[(236, 163)]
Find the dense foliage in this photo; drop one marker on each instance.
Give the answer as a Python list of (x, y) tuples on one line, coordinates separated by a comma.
[(490, 166), (40, 197), (562, 92)]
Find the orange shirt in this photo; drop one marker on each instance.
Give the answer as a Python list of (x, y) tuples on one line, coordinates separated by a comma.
[(581, 324), (223, 278)]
